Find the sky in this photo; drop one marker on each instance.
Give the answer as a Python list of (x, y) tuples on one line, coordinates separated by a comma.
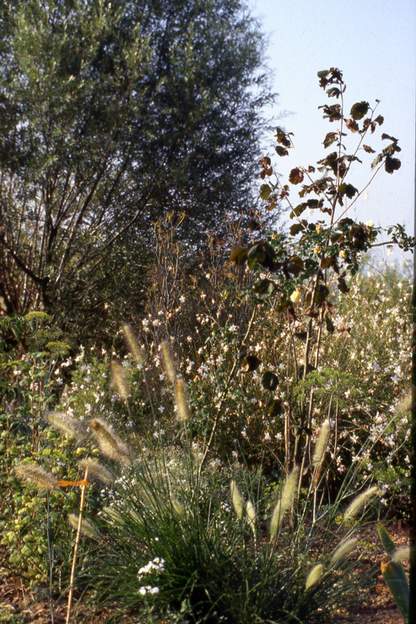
[(374, 43)]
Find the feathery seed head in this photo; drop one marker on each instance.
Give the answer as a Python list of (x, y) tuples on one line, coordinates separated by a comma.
[(168, 361), (181, 397), (237, 500), (343, 549), (321, 444), (133, 345), (285, 501), (35, 474), (87, 528), (251, 515), (109, 442), (178, 507), (96, 470), (119, 380), (359, 502), (67, 425), (314, 575)]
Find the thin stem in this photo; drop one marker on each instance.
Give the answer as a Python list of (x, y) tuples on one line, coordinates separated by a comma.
[(360, 193), (224, 396), (76, 544), (50, 557)]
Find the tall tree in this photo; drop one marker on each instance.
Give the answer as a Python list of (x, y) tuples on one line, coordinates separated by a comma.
[(111, 114)]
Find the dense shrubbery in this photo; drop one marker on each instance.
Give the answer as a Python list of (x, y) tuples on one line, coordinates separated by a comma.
[(370, 407), (283, 369)]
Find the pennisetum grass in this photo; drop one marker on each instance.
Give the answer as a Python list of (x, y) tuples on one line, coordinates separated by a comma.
[(343, 550), (36, 475), (111, 445), (284, 502), (96, 470), (168, 361), (237, 500), (87, 528), (133, 345), (359, 502), (314, 576), (181, 399), (119, 380), (318, 460), (67, 425)]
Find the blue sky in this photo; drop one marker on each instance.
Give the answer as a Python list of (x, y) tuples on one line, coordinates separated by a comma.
[(374, 43)]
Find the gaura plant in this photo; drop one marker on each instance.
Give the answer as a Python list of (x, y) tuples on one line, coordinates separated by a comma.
[(307, 269)]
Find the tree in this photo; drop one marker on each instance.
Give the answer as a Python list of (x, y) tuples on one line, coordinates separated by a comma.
[(111, 115)]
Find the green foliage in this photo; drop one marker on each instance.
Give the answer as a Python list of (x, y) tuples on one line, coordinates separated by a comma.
[(173, 542), (394, 574), (295, 369), (113, 114), (31, 375), (28, 514)]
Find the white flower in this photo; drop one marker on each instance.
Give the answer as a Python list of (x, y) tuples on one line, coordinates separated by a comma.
[(148, 589)]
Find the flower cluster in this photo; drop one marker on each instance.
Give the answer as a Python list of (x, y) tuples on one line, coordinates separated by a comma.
[(156, 566)]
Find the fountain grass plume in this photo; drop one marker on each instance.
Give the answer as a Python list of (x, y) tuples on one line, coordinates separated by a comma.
[(251, 516), (181, 399), (132, 344), (359, 502), (321, 444), (96, 470), (343, 549), (109, 442), (119, 380), (319, 451), (237, 500), (66, 424), (36, 475), (285, 502), (87, 528), (168, 361), (178, 508), (314, 576)]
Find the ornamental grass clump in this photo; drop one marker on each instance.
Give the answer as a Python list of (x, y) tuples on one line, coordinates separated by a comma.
[(225, 559)]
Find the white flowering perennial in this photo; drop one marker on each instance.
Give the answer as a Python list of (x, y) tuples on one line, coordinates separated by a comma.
[(156, 566), (148, 589)]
